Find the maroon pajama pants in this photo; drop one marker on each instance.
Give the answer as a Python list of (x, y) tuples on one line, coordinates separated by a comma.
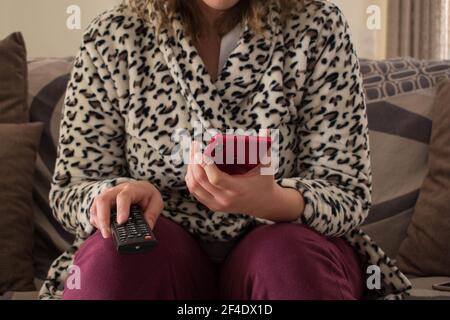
[(281, 261)]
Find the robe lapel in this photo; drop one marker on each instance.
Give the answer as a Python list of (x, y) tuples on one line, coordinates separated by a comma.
[(245, 67), (190, 73), (213, 103)]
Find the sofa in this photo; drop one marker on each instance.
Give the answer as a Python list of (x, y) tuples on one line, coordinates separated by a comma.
[(400, 95)]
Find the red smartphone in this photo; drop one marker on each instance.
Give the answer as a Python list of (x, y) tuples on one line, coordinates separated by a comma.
[(237, 154)]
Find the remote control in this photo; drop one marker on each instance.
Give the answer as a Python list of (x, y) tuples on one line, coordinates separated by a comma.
[(135, 235)]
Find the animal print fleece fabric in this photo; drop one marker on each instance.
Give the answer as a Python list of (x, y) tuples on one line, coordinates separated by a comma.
[(132, 87)]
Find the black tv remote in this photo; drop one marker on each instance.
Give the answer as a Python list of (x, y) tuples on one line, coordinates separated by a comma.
[(135, 235)]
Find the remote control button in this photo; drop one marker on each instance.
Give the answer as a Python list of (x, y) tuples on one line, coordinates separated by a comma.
[(148, 238)]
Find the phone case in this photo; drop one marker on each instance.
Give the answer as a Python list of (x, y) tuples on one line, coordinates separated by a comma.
[(235, 163)]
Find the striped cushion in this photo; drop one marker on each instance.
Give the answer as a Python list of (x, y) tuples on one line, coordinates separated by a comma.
[(47, 85), (400, 95)]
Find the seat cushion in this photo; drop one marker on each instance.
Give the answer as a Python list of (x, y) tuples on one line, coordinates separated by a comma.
[(423, 288)]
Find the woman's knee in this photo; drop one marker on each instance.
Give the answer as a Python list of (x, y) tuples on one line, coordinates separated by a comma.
[(283, 261), (176, 268), (279, 244)]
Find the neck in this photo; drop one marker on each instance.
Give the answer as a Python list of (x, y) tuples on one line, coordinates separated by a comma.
[(209, 16)]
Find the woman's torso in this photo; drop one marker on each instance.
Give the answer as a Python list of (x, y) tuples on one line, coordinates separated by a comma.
[(259, 87)]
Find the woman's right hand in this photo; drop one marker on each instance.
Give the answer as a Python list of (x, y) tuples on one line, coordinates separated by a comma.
[(122, 197)]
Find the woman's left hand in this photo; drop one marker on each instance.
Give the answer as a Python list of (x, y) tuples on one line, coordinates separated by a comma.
[(251, 194)]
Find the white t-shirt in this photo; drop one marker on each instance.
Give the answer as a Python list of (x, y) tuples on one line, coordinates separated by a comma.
[(228, 44)]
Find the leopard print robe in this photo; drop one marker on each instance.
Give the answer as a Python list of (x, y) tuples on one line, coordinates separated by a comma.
[(132, 87)]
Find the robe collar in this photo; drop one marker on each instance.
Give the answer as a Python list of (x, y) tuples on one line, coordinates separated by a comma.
[(212, 102)]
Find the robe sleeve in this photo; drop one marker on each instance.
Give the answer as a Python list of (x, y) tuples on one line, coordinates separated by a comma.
[(333, 165), (92, 135)]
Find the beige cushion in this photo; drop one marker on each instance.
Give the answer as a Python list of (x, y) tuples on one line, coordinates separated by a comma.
[(426, 249)]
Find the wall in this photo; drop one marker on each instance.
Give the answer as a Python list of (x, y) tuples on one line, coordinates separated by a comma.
[(369, 43), (43, 23)]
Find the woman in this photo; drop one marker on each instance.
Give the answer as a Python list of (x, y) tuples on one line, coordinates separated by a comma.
[(148, 68)]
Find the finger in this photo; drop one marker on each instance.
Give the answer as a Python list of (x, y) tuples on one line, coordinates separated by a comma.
[(93, 220), (104, 202), (103, 218), (123, 204), (199, 181), (216, 177), (93, 214), (93, 208), (204, 197), (195, 155), (201, 178), (196, 189), (153, 210)]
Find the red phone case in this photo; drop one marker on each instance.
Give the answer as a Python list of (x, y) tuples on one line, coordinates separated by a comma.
[(237, 163)]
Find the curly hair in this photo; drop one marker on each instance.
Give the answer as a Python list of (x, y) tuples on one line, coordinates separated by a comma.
[(254, 12)]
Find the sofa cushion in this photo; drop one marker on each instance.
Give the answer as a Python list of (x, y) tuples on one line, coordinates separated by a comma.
[(13, 80), (400, 95), (47, 85), (17, 157), (426, 249)]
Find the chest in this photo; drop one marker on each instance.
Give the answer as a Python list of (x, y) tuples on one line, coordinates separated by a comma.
[(209, 49), (258, 87)]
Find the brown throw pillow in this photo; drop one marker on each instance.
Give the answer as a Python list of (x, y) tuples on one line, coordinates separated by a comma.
[(426, 249), (13, 80), (18, 149)]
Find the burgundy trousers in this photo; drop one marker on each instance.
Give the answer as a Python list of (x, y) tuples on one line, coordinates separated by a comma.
[(281, 261)]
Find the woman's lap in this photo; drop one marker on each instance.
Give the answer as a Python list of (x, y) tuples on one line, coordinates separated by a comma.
[(175, 269), (281, 261)]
